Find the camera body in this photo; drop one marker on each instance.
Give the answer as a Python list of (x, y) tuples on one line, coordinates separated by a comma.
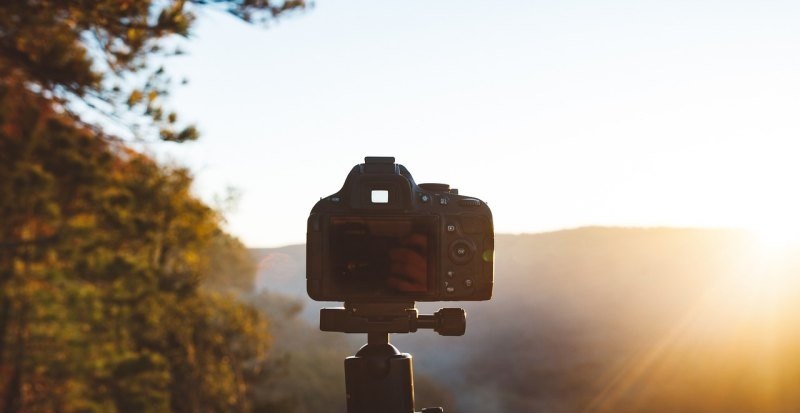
[(383, 238)]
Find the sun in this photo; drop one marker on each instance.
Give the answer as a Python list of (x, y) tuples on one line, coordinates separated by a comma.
[(767, 273), (770, 272), (776, 241)]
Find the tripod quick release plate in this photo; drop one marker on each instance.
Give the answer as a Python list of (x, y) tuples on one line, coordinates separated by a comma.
[(391, 318)]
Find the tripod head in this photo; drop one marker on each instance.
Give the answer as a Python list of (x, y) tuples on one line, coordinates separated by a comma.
[(379, 378)]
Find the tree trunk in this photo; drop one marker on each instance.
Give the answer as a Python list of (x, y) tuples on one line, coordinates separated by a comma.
[(13, 391)]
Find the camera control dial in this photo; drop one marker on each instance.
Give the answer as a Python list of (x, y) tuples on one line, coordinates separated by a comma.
[(443, 188)]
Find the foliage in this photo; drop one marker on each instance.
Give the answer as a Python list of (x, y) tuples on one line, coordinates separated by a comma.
[(98, 55), (231, 267), (102, 252), (305, 372)]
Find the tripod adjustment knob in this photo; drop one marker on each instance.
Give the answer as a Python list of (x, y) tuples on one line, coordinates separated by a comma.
[(451, 321)]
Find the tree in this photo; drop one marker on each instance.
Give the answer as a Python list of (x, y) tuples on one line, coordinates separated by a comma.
[(232, 266), (103, 250), (96, 55)]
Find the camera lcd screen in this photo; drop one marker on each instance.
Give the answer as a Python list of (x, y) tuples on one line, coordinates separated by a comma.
[(381, 255)]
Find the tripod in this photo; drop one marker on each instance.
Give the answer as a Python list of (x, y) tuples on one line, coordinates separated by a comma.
[(380, 379)]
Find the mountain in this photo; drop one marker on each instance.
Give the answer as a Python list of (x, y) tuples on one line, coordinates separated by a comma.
[(608, 319), (281, 270)]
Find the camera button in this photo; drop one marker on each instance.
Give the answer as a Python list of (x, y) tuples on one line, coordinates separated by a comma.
[(443, 201), (425, 198), (450, 273), (461, 251), (468, 282), (451, 228), (450, 289), (336, 199)]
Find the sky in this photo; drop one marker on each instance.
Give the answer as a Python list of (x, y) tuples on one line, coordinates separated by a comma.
[(558, 114)]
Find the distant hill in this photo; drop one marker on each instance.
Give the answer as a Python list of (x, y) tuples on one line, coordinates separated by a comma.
[(608, 319), (281, 270)]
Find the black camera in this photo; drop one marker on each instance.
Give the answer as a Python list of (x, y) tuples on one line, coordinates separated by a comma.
[(383, 238)]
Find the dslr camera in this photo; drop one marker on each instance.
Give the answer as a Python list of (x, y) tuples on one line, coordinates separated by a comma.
[(383, 238)]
